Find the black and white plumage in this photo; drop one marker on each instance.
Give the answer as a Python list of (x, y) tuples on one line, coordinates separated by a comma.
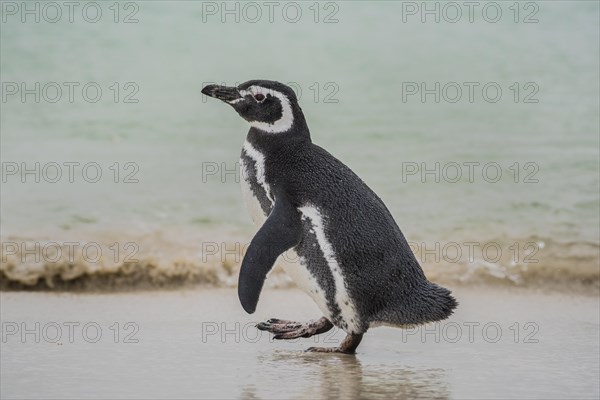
[(352, 258)]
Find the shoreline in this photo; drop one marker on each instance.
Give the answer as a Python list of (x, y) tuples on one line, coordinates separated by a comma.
[(103, 283), (154, 261)]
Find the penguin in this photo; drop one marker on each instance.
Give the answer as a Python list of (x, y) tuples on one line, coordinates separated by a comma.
[(341, 243)]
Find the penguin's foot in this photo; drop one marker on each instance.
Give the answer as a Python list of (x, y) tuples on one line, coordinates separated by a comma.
[(348, 345), (291, 330)]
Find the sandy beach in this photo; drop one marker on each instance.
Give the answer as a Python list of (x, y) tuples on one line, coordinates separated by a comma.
[(200, 343)]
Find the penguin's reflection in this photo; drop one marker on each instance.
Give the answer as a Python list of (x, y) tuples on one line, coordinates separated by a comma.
[(344, 376)]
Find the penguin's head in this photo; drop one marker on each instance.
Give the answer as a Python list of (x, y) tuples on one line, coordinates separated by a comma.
[(268, 106)]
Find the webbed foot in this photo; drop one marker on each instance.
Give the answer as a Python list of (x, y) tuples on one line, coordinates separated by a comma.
[(284, 329)]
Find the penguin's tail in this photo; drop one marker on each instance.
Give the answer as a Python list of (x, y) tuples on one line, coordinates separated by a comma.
[(426, 303), (435, 303)]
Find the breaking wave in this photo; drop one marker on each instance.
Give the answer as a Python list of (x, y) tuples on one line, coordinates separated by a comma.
[(121, 266)]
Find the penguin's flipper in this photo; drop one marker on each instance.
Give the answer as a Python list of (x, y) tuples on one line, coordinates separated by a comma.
[(281, 231)]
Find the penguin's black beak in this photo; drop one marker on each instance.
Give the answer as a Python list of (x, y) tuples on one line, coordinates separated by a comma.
[(224, 93)]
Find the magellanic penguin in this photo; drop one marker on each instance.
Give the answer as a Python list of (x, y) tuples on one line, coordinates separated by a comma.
[(352, 258)]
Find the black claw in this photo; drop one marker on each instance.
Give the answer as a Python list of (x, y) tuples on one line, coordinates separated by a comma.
[(262, 326), (277, 337)]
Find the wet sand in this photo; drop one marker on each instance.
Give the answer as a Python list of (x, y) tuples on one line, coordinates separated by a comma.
[(200, 344)]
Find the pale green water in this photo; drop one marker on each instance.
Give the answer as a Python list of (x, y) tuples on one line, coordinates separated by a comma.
[(368, 55)]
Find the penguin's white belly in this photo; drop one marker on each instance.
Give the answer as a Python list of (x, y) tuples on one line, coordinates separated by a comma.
[(348, 316), (295, 267)]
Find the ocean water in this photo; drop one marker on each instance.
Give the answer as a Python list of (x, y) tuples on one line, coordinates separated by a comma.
[(167, 206)]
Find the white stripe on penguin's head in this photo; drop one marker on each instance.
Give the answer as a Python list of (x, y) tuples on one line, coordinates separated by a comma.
[(284, 123)]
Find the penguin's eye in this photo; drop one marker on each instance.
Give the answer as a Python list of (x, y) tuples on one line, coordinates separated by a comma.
[(259, 97)]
